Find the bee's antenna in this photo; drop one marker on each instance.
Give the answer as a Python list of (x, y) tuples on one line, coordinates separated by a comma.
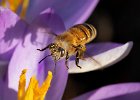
[(44, 58), (55, 66), (44, 48)]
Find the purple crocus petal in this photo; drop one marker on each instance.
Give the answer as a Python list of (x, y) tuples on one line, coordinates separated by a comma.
[(60, 75), (124, 91), (102, 55), (52, 22), (71, 11), (11, 30), (25, 55)]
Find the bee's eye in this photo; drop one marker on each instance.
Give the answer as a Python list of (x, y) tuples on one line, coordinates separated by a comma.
[(62, 51)]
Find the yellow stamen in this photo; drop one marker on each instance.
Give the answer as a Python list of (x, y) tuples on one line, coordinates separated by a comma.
[(3, 3), (33, 92), (24, 8), (15, 4)]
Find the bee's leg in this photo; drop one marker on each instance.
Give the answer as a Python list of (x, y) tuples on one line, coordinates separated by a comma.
[(80, 53), (81, 49), (66, 61), (77, 60), (44, 58)]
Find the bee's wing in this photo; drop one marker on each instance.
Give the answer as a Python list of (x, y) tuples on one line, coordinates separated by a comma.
[(48, 31), (52, 33), (87, 57)]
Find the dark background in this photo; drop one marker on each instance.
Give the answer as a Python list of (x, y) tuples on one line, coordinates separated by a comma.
[(116, 21)]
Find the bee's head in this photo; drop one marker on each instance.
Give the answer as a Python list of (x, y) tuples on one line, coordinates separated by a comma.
[(56, 51)]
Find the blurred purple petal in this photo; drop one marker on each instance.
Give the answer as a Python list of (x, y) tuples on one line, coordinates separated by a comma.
[(12, 29), (71, 11), (5, 92), (3, 69), (106, 54), (125, 91), (25, 54)]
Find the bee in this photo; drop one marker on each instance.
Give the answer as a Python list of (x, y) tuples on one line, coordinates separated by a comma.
[(72, 41)]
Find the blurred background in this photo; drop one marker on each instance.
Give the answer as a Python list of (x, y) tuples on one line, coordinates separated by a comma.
[(115, 21)]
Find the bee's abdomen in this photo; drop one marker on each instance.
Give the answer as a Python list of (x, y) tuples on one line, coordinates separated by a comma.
[(91, 31), (83, 32)]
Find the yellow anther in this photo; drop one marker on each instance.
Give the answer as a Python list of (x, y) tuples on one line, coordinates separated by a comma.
[(33, 92), (29, 95), (40, 92), (22, 83)]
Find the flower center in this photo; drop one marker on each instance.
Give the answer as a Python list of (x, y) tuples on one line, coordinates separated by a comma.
[(33, 92), (16, 5)]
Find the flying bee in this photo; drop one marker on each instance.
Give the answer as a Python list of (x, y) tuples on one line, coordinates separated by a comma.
[(71, 42)]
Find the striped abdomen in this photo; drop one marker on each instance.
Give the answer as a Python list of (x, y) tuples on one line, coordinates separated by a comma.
[(84, 33)]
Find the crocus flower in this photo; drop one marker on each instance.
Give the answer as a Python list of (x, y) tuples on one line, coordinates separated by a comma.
[(16, 35), (19, 41)]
